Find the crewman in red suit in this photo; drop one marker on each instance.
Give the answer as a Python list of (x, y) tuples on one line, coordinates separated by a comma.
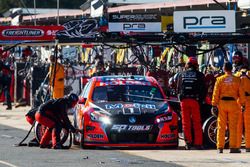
[(53, 115), (192, 92)]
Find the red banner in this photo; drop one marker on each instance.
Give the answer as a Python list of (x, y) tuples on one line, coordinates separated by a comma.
[(31, 33)]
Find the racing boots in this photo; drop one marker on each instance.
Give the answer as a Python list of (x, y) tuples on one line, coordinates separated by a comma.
[(187, 146), (220, 150), (57, 146), (235, 150)]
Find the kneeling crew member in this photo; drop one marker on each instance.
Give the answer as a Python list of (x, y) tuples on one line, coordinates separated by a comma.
[(53, 115)]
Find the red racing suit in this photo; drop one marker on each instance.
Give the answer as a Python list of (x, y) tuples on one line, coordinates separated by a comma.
[(192, 90), (53, 114), (30, 116)]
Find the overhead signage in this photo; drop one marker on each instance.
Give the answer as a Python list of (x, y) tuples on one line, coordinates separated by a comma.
[(134, 23), (214, 21), (32, 33), (84, 28)]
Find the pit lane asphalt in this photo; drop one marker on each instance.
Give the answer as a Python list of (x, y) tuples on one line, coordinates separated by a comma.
[(13, 127)]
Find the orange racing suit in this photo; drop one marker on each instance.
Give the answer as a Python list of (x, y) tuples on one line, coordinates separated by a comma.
[(244, 119), (227, 90), (58, 91)]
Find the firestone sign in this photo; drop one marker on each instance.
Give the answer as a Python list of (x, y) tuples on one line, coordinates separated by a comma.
[(204, 21)]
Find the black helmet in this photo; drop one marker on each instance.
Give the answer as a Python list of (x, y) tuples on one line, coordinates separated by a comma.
[(72, 98)]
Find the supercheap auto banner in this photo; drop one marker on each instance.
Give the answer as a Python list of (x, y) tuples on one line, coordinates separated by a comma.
[(29, 33)]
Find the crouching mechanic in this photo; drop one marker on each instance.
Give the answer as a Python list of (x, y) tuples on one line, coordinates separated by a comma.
[(53, 115)]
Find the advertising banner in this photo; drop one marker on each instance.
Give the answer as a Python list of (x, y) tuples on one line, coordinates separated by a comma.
[(134, 22), (31, 33), (214, 21)]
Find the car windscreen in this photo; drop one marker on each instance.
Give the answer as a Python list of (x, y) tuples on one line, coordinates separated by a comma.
[(127, 93)]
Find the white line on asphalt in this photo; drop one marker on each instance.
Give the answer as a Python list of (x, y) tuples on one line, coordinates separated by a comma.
[(8, 164), (7, 136)]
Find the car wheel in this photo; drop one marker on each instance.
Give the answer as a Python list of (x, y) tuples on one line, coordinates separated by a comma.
[(40, 130), (210, 133)]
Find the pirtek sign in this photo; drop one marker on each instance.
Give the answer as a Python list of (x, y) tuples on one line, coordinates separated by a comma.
[(204, 21)]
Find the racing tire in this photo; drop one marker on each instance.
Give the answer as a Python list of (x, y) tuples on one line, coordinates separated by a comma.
[(40, 129), (210, 133)]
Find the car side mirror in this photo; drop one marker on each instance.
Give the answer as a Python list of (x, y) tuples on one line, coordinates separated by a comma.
[(81, 101)]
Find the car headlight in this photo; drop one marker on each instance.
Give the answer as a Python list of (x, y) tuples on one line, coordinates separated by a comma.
[(98, 117)]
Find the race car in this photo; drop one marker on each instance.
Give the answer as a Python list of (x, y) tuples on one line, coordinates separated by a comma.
[(124, 111)]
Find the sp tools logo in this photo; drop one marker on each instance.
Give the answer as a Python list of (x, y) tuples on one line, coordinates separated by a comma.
[(195, 22)]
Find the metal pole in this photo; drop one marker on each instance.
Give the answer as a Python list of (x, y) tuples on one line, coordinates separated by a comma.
[(35, 12), (58, 4)]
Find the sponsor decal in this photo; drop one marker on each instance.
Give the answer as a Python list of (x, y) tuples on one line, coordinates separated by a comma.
[(131, 128), (131, 111), (127, 82), (22, 32), (144, 17), (134, 26), (167, 136), (166, 118), (125, 79), (130, 106), (33, 33), (113, 106), (95, 136), (148, 106), (204, 21), (132, 120), (84, 28), (145, 22)]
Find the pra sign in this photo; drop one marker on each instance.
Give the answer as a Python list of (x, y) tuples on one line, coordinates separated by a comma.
[(204, 21)]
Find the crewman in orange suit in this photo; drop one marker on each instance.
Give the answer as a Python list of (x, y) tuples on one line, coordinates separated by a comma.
[(244, 119), (58, 87), (227, 90)]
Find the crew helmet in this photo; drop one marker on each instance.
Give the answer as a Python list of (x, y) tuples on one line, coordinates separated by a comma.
[(192, 61)]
